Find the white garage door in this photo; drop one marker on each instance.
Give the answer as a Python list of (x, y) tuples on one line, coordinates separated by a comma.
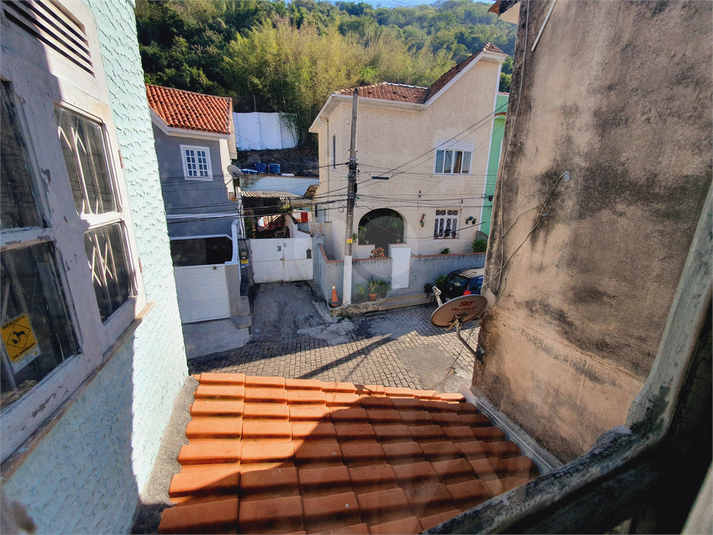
[(282, 259), (202, 293)]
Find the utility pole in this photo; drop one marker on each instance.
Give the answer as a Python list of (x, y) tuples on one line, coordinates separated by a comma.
[(351, 200)]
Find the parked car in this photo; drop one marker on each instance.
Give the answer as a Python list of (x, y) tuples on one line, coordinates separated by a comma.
[(460, 281)]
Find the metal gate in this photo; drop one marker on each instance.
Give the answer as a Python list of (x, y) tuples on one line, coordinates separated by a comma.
[(282, 259), (202, 293)]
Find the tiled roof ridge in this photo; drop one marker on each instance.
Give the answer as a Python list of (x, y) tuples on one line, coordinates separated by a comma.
[(439, 84), (269, 454), (189, 110), (189, 91), (350, 90), (412, 93)]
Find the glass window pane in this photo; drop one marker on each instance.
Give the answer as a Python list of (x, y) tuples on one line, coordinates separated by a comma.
[(202, 163), (458, 160), (17, 201), (448, 164), (106, 251), (86, 160), (465, 166), (439, 161), (37, 333)]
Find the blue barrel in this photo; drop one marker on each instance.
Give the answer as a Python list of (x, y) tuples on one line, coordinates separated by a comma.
[(261, 167), (274, 168)]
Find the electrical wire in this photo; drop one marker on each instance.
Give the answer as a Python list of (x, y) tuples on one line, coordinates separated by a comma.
[(507, 149)]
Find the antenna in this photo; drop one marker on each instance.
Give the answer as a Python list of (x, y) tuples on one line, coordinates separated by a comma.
[(457, 312), (234, 171)]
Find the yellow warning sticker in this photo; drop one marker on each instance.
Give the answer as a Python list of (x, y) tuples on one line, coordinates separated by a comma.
[(18, 338), (349, 240)]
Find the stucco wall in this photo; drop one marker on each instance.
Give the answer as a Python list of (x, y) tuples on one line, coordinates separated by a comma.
[(425, 269), (399, 143), (619, 95), (85, 475), (183, 196), (80, 478)]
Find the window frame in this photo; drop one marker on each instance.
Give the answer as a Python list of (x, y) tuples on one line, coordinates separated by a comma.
[(449, 221), (448, 159), (26, 63), (334, 151), (209, 170)]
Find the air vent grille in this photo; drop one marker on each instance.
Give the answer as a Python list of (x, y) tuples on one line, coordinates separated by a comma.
[(48, 23)]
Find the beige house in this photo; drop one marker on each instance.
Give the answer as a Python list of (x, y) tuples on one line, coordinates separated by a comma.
[(422, 156)]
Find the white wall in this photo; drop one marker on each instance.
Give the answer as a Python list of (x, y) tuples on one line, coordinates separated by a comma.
[(259, 131)]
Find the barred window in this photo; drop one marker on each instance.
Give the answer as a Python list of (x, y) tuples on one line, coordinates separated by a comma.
[(446, 224)]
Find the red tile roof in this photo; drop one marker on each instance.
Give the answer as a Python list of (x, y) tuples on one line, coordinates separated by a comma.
[(389, 91), (268, 454), (189, 110), (415, 94)]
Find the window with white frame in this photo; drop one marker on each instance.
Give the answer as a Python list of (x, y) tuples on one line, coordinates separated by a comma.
[(196, 163), (85, 155), (68, 264), (453, 161), (37, 331), (446, 224)]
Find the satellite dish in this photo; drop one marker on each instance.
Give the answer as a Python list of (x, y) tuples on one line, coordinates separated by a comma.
[(457, 312), (234, 171), (464, 308)]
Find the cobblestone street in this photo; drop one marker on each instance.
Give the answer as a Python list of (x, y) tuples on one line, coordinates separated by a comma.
[(399, 348)]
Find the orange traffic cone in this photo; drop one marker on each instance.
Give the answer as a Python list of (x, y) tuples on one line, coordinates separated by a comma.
[(334, 302)]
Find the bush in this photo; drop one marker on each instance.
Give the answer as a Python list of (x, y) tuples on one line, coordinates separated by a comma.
[(479, 246), (440, 280), (447, 250)]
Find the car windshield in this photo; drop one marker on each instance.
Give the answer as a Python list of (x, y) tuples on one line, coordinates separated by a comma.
[(456, 281)]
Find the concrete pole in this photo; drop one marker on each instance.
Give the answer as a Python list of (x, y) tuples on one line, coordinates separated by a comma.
[(351, 200)]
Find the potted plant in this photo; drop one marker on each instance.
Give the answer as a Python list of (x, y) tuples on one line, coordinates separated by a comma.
[(383, 288), (372, 287)]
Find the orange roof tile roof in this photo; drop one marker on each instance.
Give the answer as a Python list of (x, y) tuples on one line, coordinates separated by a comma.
[(389, 91), (411, 93), (268, 454), (189, 110)]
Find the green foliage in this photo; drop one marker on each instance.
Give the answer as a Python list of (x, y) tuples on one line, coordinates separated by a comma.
[(440, 281), (359, 292), (378, 286), (479, 246), (273, 56), (446, 251)]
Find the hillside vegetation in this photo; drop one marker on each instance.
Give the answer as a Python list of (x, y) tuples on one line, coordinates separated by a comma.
[(277, 57)]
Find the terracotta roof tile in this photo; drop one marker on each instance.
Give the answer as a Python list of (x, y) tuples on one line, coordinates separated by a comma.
[(270, 455), (191, 111), (415, 94)]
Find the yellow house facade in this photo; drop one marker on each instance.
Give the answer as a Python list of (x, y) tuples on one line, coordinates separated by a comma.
[(422, 158)]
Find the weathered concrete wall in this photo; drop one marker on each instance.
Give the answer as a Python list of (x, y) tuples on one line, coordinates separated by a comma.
[(327, 272), (363, 270), (619, 95)]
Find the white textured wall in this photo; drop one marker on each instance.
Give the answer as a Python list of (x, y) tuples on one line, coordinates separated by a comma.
[(259, 131), (85, 475)]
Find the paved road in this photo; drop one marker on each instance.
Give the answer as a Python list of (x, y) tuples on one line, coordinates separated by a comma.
[(293, 336)]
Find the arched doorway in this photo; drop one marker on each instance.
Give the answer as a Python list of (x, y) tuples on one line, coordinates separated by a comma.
[(381, 227)]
